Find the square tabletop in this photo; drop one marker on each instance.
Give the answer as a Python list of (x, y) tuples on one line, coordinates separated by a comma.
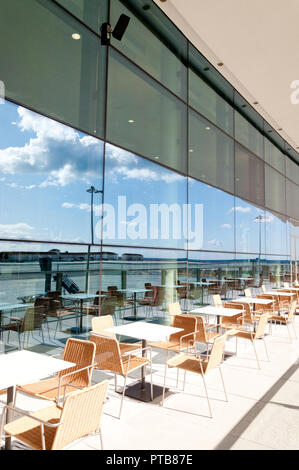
[(21, 367), (274, 292), (81, 296), (217, 311), (145, 331), (252, 300)]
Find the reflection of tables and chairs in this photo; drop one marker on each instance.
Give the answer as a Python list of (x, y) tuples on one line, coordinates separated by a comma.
[(79, 298), (144, 332), (134, 293), (9, 309), (20, 367)]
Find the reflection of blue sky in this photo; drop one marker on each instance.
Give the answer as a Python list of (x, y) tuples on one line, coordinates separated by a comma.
[(45, 169)]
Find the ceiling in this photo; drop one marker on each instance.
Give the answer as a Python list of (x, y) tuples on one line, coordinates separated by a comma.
[(258, 43)]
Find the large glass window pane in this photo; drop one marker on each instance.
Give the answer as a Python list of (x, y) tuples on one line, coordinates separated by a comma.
[(248, 135), (45, 170), (276, 270), (91, 12), (292, 200), (211, 153), (275, 190), (144, 117), (249, 174), (276, 234), (158, 48), (203, 98), (250, 227), (38, 283), (274, 156), (145, 202), (45, 68), (216, 230)]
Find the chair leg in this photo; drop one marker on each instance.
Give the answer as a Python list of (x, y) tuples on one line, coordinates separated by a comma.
[(257, 359), (101, 439), (293, 325), (115, 382), (122, 397), (289, 333), (266, 349), (221, 375), (185, 373), (206, 390), (165, 373), (177, 379)]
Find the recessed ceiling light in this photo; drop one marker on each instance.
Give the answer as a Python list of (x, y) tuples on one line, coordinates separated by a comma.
[(156, 158), (76, 36), (208, 128), (256, 102), (280, 129), (131, 121), (191, 150), (220, 64)]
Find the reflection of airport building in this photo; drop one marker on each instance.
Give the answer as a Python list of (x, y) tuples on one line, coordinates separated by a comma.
[(132, 257)]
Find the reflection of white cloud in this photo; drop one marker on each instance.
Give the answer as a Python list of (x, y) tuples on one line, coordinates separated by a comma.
[(128, 166), (59, 152), (215, 242), (228, 226), (82, 206), (240, 209), (20, 230)]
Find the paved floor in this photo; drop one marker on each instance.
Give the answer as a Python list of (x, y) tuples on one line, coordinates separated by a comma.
[(262, 410)]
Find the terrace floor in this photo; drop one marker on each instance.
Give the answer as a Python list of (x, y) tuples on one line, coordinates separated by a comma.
[(262, 411)]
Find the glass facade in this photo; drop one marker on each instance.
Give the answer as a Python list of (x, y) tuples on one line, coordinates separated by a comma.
[(131, 175)]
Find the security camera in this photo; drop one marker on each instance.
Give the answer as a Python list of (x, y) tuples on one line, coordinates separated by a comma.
[(117, 32)]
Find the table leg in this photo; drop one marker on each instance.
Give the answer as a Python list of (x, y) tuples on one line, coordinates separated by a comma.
[(135, 301), (143, 386), (9, 401)]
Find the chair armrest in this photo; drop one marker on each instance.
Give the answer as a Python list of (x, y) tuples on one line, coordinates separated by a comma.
[(15, 319), (29, 415), (90, 366)]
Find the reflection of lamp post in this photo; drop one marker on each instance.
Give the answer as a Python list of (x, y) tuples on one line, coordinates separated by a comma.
[(92, 190), (260, 218)]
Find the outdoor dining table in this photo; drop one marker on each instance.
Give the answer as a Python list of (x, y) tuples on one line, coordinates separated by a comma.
[(145, 332), (22, 367), (279, 294), (81, 298), (216, 312)]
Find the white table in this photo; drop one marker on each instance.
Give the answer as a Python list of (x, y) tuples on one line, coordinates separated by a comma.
[(217, 312), (22, 367), (145, 332), (252, 300), (279, 294)]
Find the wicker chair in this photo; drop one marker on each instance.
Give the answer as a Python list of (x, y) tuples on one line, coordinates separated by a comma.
[(199, 365), (109, 358), (253, 335), (287, 319), (100, 326), (217, 301), (179, 341), (174, 309), (247, 293), (77, 351), (54, 428)]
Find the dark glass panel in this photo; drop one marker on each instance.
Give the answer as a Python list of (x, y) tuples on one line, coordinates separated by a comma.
[(162, 57), (274, 156), (211, 153), (249, 174), (250, 227), (275, 190), (144, 117), (248, 135), (92, 12), (45, 68)]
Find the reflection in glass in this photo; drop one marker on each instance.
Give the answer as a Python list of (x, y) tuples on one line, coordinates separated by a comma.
[(143, 117), (91, 12), (43, 299), (276, 234), (48, 167), (144, 202), (217, 219), (250, 227), (274, 156), (292, 200), (211, 153)]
